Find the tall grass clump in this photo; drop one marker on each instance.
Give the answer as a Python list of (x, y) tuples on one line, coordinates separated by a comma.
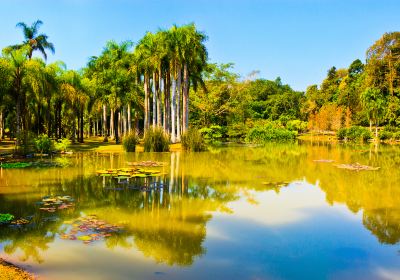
[(156, 140), (354, 133), (193, 141), (130, 141), (269, 132)]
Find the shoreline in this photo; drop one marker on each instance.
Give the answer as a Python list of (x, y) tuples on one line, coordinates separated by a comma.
[(9, 271)]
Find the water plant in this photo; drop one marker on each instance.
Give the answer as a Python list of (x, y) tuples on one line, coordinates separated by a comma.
[(269, 132), (156, 140), (6, 218)]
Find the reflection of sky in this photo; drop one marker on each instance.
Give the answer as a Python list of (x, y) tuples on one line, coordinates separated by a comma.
[(292, 234)]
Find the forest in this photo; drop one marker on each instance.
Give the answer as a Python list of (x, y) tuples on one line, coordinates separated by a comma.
[(167, 81)]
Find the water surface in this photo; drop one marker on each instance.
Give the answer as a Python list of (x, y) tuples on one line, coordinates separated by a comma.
[(231, 213)]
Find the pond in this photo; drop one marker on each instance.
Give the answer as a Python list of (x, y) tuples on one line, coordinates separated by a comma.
[(283, 211)]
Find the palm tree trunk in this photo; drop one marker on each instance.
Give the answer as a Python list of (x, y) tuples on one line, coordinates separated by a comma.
[(82, 126), (173, 104), (167, 102), (185, 125), (105, 123), (178, 106), (49, 132), (129, 118), (1, 125), (146, 103), (112, 123), (154, 99), (119, 123), (158, 90), (116, 126)]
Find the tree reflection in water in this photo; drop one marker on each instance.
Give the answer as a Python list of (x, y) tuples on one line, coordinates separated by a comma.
[(169, 224)]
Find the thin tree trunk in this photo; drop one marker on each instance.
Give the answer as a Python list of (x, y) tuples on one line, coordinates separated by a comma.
[(178, 106), (105, 123), (48, 118), (82, 126), (159, 95), (185, 125), (124, 113), (112, 123), (116, 126), (173, 104), (146, 103), (129, 118), (119, 123), (154, 99), (1, 126)]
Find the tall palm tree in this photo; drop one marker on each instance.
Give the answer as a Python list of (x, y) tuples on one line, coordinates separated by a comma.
[(35, 41)]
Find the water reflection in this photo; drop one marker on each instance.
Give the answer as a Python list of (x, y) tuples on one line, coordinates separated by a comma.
[(169, 224)]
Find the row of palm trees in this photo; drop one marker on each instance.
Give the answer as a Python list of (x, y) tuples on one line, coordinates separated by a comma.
[(149, 82)]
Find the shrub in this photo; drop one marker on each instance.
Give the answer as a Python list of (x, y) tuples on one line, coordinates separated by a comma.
[(354, 133), (262, 134), (385, 135), (214, 132), (156, 140), (63, 144), (341, 134), (130, 141), (297, 125), (43, 144), (396, 135), (237, 131), (193, 141)]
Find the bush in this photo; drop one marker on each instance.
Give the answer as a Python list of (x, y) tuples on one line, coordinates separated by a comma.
[(269, 132), (213, 133), (193, 141), (385, 135), (43, 144), (130, 141), (156, 140), (341, 134), (354, 133), (297, 125), (62, 145), (237, 131)]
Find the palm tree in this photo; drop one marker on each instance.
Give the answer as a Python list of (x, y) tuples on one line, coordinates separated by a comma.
[(35, 41)]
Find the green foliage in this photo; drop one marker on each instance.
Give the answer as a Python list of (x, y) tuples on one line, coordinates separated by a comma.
[(43, 144), (269, 132), (237, 131), (354, 133), (156, 140), (62, 144), (6, 218), (213, 133), (297, 125), (341, 133), (193, 141), (130, 141), (11, 165), (385, 135)]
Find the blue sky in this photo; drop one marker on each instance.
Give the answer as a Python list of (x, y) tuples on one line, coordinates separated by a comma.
[(297, 40)]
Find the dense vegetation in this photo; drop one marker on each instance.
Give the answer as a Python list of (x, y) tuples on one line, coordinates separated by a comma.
[(167, 74)]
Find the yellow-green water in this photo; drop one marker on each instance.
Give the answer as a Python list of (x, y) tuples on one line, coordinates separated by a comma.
[(232, 213)]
